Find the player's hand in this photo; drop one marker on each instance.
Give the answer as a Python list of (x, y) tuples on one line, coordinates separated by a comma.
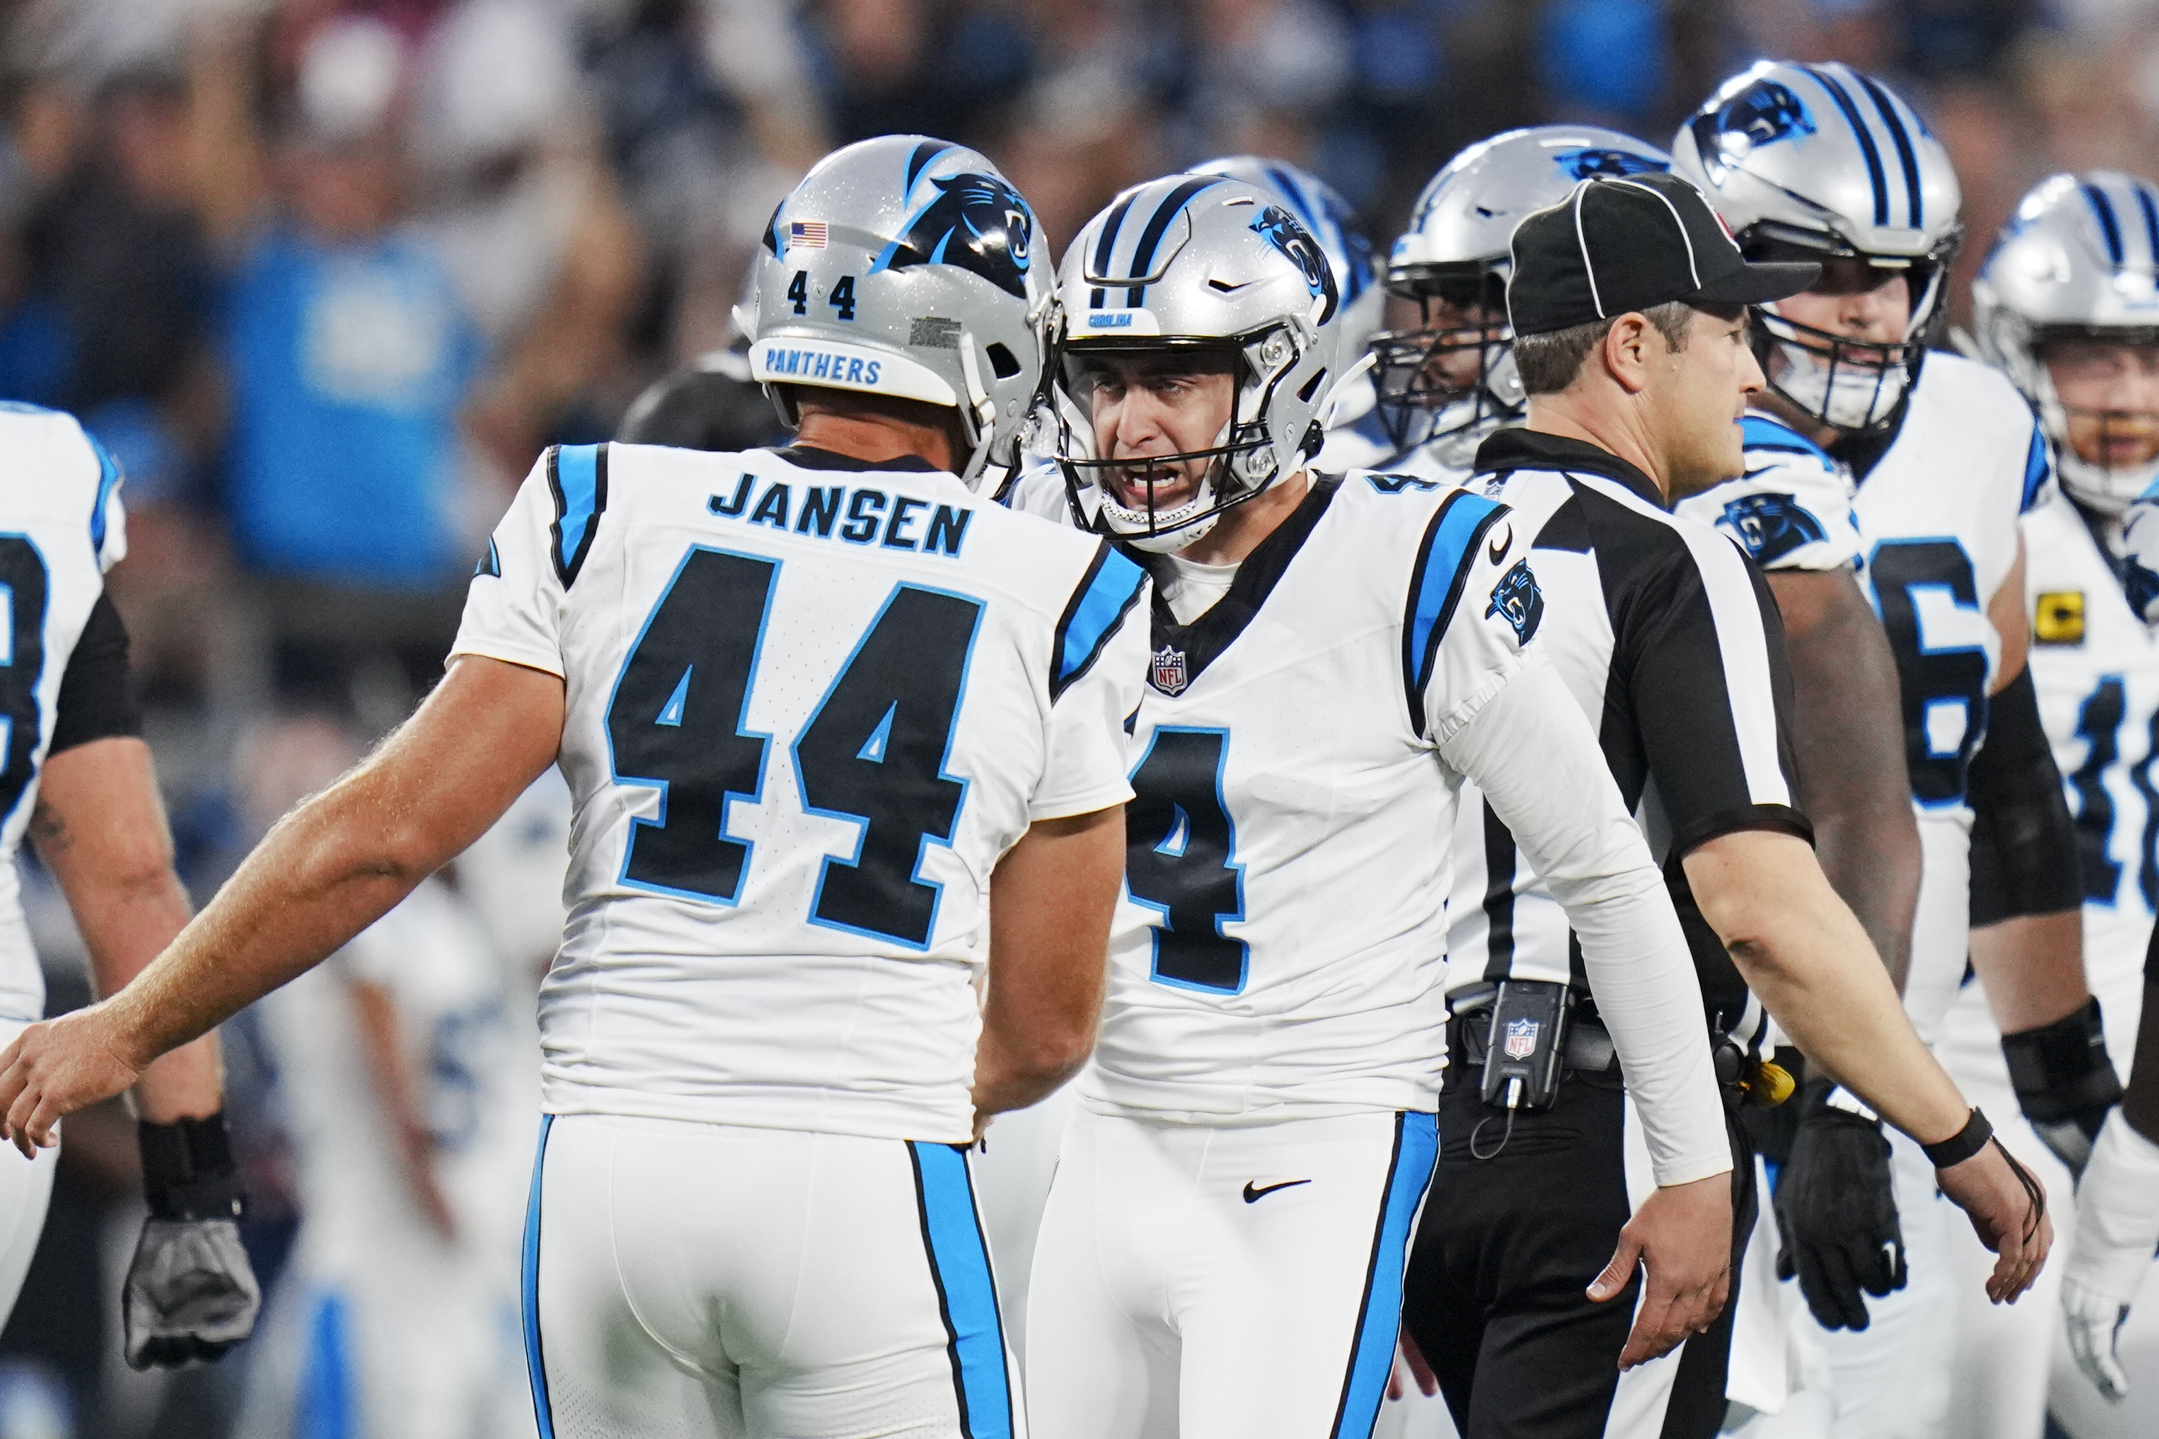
[(2111, 1257), (191, 1293), (1683, 1234), (1411, 1362), (2093, 1321), (57, 1067), (1836, 1213), (2007, 1206)]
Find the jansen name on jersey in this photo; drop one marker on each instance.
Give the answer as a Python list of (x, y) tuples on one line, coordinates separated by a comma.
[(1281, 949), (811, 702)]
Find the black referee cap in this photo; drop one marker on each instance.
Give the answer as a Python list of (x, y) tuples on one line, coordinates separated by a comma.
[(1629, 243)]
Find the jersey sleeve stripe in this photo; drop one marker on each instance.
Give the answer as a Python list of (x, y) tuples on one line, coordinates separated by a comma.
[(2036, 469), (1758, 433), (1105, 596), (1442, 569), (1743, 649), (577, 477), (108, 479)]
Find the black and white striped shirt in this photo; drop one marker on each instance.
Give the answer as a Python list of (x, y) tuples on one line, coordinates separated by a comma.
[(1669, 639)]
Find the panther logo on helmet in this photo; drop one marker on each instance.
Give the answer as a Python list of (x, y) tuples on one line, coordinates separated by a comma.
[(1771, 526), (1588, 164), (977, 222), (1764, 112), (1280, 229)]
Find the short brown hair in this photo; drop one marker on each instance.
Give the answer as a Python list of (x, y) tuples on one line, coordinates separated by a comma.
[(1548, 363)]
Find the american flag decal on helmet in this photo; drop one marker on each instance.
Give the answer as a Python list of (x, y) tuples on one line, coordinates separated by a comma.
[(805, 234)]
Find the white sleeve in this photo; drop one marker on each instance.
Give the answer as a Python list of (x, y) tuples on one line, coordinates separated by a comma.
[(1532, 752), (513, 609), (1098, 666), (2117, 1214), (1789, 511)]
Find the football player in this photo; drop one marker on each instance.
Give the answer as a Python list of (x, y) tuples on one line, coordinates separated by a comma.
[(818, 706), (77, 777), (2066, 305), (1445, 371), (1821, 162)]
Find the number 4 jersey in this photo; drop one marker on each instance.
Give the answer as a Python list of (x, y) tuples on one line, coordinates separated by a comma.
[(63, 650), (811, 702)]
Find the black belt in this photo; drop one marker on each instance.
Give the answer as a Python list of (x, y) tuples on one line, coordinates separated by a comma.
[(1590, 1050)]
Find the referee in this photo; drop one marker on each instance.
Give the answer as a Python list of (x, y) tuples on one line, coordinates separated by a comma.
[(1628, 307)]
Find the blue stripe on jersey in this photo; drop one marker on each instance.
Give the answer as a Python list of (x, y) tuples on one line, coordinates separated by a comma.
[(529, 1292), (2036, 468), (1903, 142), (108, 478), (1759, 432), (1101, 602), (326, 1397), (1443, 563), (966, 1296), (1866, 141), (2109, 227), (578, 476), (1371, 1357)]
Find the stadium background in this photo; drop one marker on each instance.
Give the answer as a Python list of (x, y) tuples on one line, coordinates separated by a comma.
[(554, 201)]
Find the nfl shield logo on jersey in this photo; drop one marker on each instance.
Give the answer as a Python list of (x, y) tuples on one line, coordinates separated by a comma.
[(1521, 1038), (1169, 670)]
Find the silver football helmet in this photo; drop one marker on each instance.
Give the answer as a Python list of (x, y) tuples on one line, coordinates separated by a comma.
[(1808, 162), (2078, 261), (1320, 208), (905, 266), (1449, 384), (1197, 262)]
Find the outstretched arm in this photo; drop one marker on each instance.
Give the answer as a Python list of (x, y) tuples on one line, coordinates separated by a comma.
[(327, 871)]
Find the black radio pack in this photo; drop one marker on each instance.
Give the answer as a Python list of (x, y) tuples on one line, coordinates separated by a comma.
[(1528, 1043)]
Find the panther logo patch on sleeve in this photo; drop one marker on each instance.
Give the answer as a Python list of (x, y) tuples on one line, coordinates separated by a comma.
[(1517, 600), (1771, 526), (977, 222)]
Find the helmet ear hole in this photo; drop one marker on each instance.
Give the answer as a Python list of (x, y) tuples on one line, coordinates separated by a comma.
[(1003, 363)]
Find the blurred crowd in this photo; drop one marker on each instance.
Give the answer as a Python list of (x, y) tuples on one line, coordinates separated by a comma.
[(326, 275)]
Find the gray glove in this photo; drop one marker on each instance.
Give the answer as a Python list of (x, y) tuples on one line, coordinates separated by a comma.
[(191, 1293)]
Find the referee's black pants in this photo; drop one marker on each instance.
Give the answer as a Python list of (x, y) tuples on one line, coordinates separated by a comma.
[(1494, 1294)]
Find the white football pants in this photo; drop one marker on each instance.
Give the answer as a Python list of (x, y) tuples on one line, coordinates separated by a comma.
[(1223, 1282), (703, 1281)]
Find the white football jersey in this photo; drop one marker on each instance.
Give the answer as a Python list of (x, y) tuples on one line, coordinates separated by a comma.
[(1790, 509), (1281, 949), (811, 702), (2095, 666), (467, 1038), (61, 528)]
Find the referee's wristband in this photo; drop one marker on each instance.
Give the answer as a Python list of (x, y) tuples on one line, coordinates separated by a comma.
[(1962, 1145)]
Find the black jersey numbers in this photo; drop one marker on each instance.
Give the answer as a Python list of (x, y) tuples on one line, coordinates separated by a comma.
[(2099, 725), (23, 580), (1181, 859), (874, 752), (676, 722), (1945, 689)]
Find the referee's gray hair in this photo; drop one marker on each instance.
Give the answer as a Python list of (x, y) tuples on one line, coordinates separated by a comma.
[(1548, 363)]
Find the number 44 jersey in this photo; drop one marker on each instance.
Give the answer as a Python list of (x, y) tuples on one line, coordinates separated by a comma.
[(811, 703)]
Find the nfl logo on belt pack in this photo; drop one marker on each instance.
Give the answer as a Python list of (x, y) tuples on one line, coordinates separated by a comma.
[(1169, 670), (1521, 1038)]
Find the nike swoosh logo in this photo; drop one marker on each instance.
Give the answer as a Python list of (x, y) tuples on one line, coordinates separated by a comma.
[(1253, 1196), (1500, 544)]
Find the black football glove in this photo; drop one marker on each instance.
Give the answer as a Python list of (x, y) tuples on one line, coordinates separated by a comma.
[(1836, 1213), (2065, 1082), (191, 1293)]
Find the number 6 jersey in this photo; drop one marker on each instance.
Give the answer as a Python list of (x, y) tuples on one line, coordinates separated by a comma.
[(811, 702)]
